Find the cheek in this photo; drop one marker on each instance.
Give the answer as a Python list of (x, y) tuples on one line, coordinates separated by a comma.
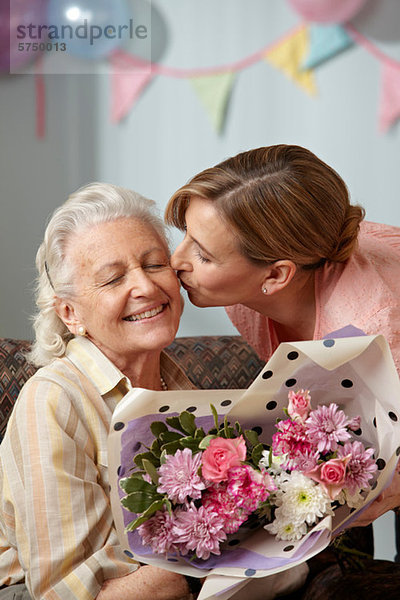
[(211, 279)]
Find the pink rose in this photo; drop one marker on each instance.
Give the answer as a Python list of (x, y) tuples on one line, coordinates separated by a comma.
[(220, 456), (331, 475), (299, 405)]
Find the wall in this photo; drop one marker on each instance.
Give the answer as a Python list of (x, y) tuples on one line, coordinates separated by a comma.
[(168, 137)]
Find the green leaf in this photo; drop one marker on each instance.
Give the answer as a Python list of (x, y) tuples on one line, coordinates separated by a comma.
[(199, 433), (134, 484), (175, 423), (206, 441), (158, 427), (138, 460), (155, 448), (252, 436), (187, 422), (256, 454), (190, 442), (151, 470), (215, 415), (154, 507), (163, 458), (239, 428), (169, 436), (138, 502), (172, 447)]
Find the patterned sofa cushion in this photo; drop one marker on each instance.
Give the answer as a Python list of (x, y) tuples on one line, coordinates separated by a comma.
[(213, 362), (14, 371), (209, 361)]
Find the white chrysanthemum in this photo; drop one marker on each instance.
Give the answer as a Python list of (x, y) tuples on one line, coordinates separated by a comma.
[(303, 499), (285, 529), (276, 462)]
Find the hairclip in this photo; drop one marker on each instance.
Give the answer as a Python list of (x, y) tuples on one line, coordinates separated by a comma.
[(46, 266)]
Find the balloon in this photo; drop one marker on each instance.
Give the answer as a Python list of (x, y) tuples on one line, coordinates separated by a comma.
[(327, 11), (90, 29), (152, 47), (15, 53)]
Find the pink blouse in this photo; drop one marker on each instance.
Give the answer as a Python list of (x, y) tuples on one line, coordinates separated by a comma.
[(364, 292)]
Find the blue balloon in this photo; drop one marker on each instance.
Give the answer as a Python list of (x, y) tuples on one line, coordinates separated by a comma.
[(90, 29)]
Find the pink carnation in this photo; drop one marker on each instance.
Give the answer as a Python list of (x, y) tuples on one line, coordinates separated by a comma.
[(291, 441), (331, 475), (249, 487), (360, 467), (326, 426), (199, 530), (220, 456), (179, 476), (217, 499), (299, 405)]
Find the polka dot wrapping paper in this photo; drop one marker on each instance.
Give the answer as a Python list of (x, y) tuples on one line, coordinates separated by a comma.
[(357, 373)]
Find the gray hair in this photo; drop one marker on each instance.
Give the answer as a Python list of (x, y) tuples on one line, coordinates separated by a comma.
[(90, 205)]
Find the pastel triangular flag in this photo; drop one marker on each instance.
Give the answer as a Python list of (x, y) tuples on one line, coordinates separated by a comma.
[(129, 77), (325, 42), (288, 55), (213, 92), (389, 107)]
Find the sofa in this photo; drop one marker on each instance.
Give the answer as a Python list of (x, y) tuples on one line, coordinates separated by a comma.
[(210, 362)]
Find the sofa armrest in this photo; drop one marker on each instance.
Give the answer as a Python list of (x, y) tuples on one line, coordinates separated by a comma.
[(14, 371)]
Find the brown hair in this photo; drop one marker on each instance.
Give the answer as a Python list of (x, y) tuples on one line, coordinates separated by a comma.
[(282, 202)]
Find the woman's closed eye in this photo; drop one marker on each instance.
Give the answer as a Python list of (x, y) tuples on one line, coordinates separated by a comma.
[(156, 266), (201, 258), (114, 280)]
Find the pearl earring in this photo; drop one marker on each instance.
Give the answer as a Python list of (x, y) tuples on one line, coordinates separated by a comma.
[(81, 330), (264, 290)]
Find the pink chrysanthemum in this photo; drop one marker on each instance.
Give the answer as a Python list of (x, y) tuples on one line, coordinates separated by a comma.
[(360, 468), (290, 440), (326, 426), (179, 476), (217, 499), (249, 487), (199, 530), (157, 533), (306, 460), (354, 423)]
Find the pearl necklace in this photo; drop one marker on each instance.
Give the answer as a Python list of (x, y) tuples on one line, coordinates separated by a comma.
[(164, 386)]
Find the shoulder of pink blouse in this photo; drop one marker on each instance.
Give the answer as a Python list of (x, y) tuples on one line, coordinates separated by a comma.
[(254, 328), (364, 291)]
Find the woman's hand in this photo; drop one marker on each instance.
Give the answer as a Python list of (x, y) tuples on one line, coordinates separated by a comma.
[(147, 583), (387, 500)]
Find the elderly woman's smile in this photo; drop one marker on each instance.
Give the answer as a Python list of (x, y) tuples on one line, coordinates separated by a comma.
[(125, 292), (146, 314)]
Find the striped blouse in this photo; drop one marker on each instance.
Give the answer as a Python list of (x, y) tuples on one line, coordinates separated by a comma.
[(56, 526)]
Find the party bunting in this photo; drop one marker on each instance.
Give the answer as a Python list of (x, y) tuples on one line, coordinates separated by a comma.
[(214, 92), (288, 56), (389, 107), (326, 41), (296, 54), (129, 78)]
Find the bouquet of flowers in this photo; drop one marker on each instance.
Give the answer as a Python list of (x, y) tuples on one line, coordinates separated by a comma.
[(316, 466), (260, 483), (192, 489)]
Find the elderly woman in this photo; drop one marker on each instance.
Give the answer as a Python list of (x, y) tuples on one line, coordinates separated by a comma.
[(109, 302)]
